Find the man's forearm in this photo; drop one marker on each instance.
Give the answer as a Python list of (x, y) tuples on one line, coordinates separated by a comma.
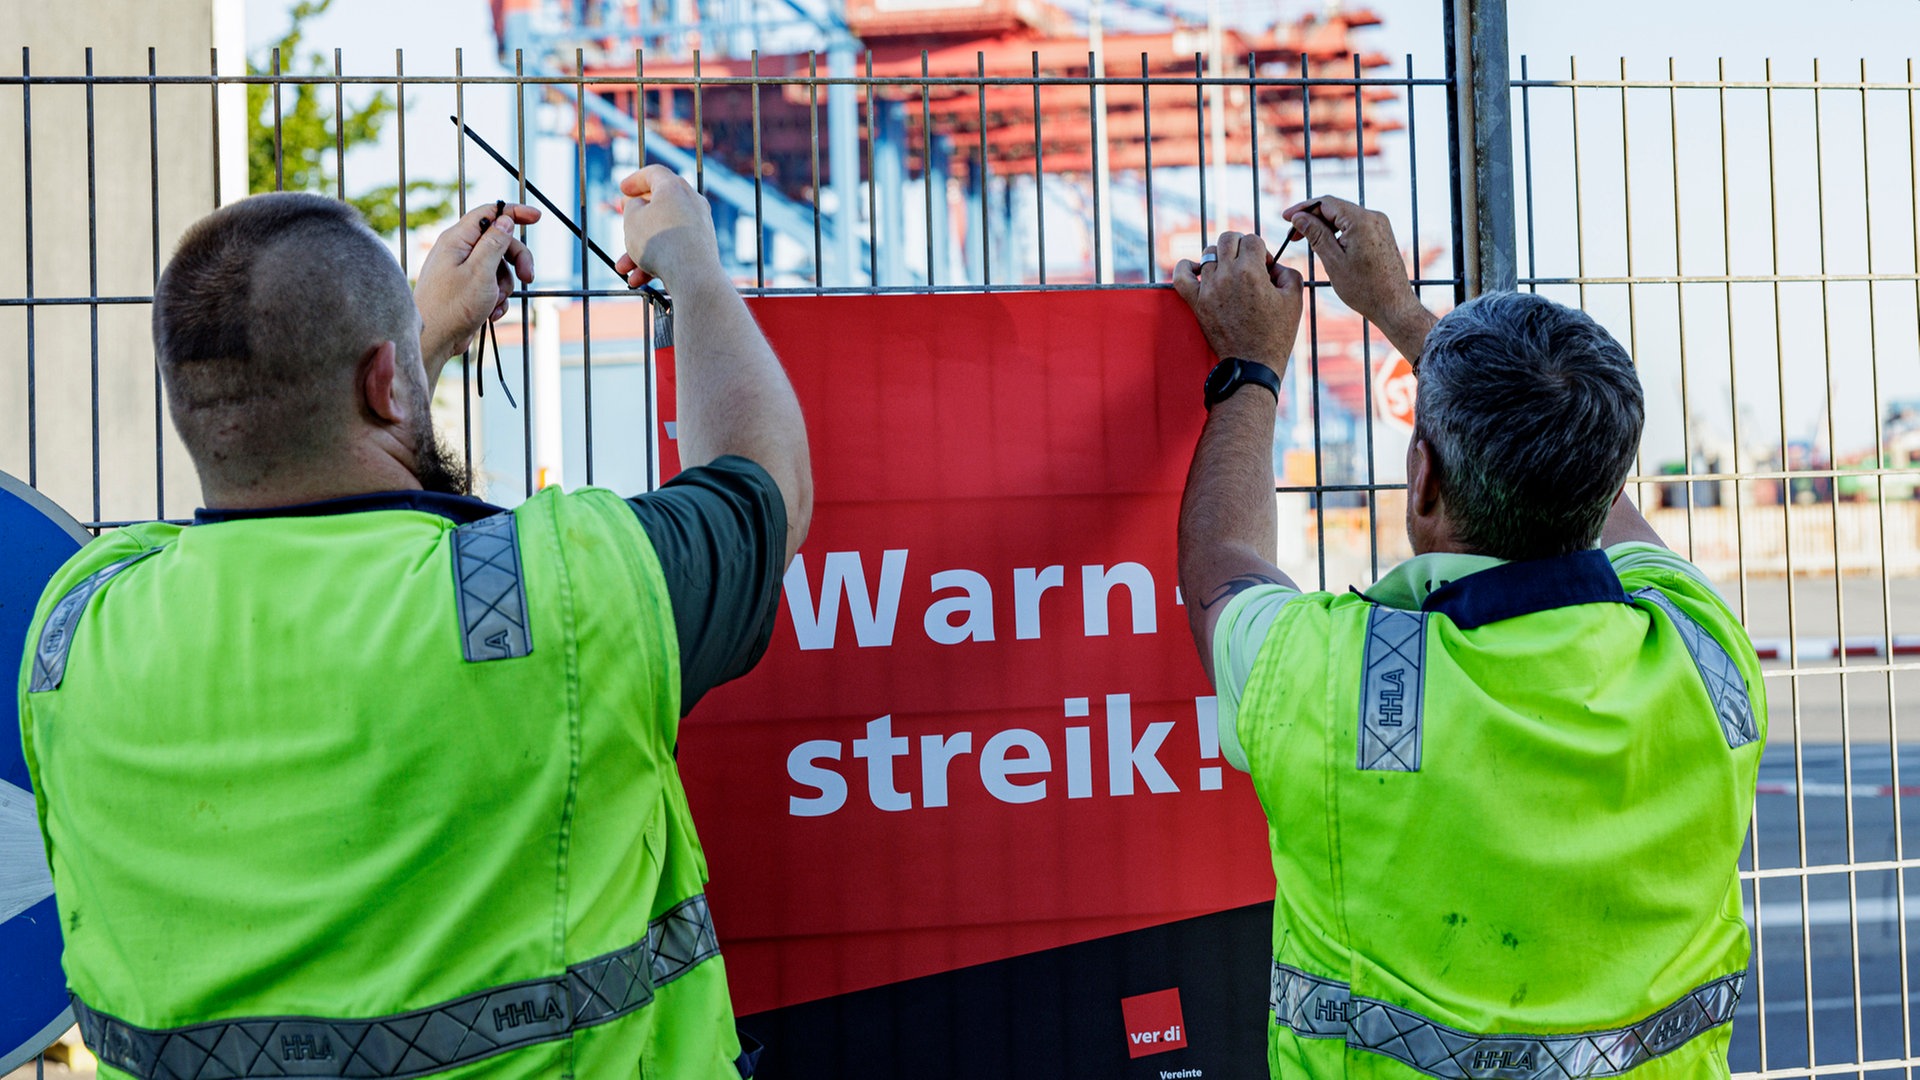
[(1625, 524), (1407, 329), (733, 397), (1228, 529)]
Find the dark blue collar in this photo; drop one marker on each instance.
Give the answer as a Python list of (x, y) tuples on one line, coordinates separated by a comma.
[(457, 508), (1513, 589)]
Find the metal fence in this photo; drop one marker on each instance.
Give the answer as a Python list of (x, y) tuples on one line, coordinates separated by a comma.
[(1750, 233), (1754, 239)]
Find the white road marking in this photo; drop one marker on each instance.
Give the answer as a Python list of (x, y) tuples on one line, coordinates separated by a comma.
[(24, 880), (1785, 914)]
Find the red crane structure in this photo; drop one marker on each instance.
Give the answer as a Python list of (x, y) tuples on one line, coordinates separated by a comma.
[(996, 108), (908, 143)]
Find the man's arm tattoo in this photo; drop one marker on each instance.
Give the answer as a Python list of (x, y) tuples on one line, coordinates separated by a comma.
[(1236, 585)]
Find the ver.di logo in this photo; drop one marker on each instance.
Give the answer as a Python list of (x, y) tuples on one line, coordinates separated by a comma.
[(1153, 1021)]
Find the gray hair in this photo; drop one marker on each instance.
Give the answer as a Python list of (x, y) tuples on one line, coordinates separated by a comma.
[(1533, 412)]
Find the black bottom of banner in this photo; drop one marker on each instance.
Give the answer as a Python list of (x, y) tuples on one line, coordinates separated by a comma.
[(1053, 1014)]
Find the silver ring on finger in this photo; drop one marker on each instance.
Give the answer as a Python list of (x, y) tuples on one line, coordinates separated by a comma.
[(1209, 257)]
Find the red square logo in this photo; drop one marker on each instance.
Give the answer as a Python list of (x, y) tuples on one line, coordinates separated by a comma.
[(1154, 1023)]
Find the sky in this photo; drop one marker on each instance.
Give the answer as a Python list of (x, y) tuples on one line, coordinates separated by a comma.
[(1789, 208)]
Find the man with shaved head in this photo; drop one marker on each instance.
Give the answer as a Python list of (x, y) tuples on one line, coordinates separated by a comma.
[(262, 321), (358, 775)]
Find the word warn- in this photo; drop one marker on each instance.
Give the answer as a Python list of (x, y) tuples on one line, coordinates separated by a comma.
[(965, 613)]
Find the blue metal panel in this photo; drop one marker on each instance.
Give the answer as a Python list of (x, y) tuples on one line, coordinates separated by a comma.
[(39, 538)]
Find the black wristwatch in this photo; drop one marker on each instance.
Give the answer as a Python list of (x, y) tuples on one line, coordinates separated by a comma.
[(1233, 373)]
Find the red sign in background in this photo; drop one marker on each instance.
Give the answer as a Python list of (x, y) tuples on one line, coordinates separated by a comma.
[(1008, 745)]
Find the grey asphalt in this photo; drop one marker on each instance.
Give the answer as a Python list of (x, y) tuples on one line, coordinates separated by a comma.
[(1871, 705), (1811, 938), (1832, 726)]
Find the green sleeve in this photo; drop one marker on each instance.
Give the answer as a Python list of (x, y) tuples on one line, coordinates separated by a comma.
[(1640, 564), (1237, 637), (720, 531)]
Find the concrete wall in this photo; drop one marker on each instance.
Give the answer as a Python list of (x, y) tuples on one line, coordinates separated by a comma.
[(137, 454)]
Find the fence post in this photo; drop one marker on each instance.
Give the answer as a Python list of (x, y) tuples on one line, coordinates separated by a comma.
[(1482, 129)]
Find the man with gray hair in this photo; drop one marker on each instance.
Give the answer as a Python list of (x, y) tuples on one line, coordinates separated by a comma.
[(1507, 785)]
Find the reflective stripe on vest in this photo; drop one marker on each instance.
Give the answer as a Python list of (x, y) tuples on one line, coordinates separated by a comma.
[(56, 634), (1391, 679), (491, 589), (1725, 687), (423, 1041), (1317, 1008)]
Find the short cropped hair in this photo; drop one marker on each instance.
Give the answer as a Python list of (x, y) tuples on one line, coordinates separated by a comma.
[(259, 323), (1533, 412)]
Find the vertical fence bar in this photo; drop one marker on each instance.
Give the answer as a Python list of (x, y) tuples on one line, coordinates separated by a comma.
[(1313, 332), (1893, 710), (400, 150), (1626, 222), (93, 287), (213, 101), (1793, 630), (1839, 593), (1039, 177), (400, 145), (153, 214), (460, 194), (526, 321), (1579, 204), (648, 362), (1200, 140), (1680, 302), (813, 129), (986, 179), (699, 129), (1526, 162), (1146, 172), (586, 269), (1253, 131), (1096, 125), (1880, 461), (340, 132), (1733, 368), (1413, 188), (1759, 965), (26, 185), (873, 181), (279, 164), (759, 207), (926, 160), (1366, 328)]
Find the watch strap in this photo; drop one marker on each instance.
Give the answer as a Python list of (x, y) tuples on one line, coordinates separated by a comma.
[(1232, 373)]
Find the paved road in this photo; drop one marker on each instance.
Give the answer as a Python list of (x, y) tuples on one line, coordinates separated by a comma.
[(1871, 706), (1813, 937), (1846, 725)]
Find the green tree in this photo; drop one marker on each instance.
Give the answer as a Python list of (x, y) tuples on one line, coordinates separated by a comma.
[(307, 140)]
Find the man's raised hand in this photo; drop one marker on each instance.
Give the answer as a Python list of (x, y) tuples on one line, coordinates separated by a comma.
[(669, 228), (1248, 307), (465, 279), (1363, 262)]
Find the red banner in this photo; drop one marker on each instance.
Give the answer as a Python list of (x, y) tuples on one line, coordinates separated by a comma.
[(981, 730)]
